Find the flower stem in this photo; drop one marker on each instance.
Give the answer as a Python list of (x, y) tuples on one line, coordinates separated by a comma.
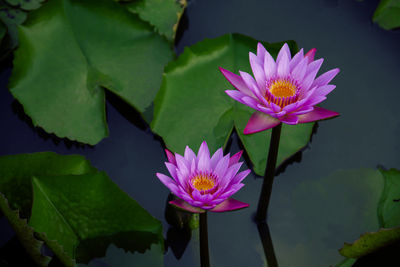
[(204, 256), (266, 190)]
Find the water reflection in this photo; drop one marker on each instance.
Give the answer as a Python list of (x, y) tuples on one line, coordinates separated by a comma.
[(180, 231), (266, 241)]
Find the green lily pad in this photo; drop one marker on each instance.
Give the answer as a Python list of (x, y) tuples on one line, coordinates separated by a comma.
[(16, 172), (370, 242), (164, 15), (24, 232), (387, 14), (118, 257), (70, 51), (389, 218), (74, 210), (346, 262), (192, 105), (389, 204)]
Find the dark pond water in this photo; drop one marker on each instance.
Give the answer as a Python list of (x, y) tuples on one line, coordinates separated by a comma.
[(328, 198)]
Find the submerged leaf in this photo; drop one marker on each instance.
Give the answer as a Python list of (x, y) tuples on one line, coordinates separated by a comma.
[(388, 215), (70, 51), (12, 17), (312, 215), (26, 4), (192, 105)]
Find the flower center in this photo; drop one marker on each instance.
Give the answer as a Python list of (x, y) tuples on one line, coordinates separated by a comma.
[(282, 88), (203, 182), (282, 92)]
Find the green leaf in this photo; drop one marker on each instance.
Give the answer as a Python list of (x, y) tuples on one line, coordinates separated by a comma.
[(387, 14), (370, 242), (192, 105), (76, 210), (83, 211), (389, 204), (70, 51), (16, 172), (24, 232), (346, 263), (120, 258), (164, 15)]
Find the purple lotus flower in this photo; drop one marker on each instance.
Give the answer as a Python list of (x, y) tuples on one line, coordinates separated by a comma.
[(203, 182), (283, 91)]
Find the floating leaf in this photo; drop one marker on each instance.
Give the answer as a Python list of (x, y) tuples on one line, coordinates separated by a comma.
[(387, 14), (24, 232), (120, 258), (389, 204), (370, 242), (16, 172), (74, 210), (346, 263), (164, 15), (192, 105), (70, 51)]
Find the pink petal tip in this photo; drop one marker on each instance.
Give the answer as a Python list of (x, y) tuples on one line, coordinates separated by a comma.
[(181, 204), (259, 122), (230, 205), (311, 54), (317, 114), (170, 156)]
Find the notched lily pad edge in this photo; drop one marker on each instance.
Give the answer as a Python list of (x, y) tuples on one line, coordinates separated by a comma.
[(395, 236), (145, 115), (24, 232)]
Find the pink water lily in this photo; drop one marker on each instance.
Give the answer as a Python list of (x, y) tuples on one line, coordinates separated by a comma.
[(203, 182), (285, 90)]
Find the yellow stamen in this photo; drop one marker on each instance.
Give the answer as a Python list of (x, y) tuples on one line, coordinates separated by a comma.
[(202, 182), (282, 88)]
